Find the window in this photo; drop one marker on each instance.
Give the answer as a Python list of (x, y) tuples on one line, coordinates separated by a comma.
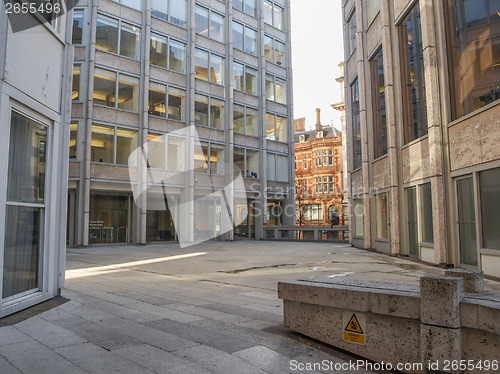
[(245, 78), (75, 92), (411, 196), (166, 151), (106, 93), (302, 138), (277, 167), (467, 221), (356, 129), (382, 216), (103, 142), (474, 53), (275, 89), (118, 37), (274, 15), (25, 209), (167, 53), (489, 185), (209, 111), (247, 160), (359, 213), (166, 102), (379, 112), (415, 111), (276, 127), (313, 212), (209, 23), (426, 209), (244, 38), (209, 158), (136, 4), (351, 34), (372, 9), (173, 11), (247, 6), (73, 137), (209, 67), (245, 120), (77, 26)]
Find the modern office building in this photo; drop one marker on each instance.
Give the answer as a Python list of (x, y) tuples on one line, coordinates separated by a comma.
[(204, 89), (423, 117), (318, 173), (35, 84)]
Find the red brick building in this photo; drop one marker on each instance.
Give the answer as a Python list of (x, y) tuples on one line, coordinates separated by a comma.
[(318, 172)]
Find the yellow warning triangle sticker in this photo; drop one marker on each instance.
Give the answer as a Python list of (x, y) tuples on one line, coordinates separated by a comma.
[(354, 326)]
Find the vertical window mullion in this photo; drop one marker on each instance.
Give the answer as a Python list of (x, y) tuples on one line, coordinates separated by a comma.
[(119, 37), (115, 143), (117, 84), (167, 138)]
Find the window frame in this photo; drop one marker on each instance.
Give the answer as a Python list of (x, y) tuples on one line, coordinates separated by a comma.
[(119, 36), (115, 141), (167, 51)]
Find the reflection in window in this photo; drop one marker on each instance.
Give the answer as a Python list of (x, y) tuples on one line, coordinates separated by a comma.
[(130, 41), (73, 136), (157, 97), (173, 11), (201, 110), (372, 9), (128, 93), (177, 56), (237, 35), (203, 60), (216, 113), (75, 92), (426, 208), (351, 34), (489, 189), (415, 124), (270, 94), (77, 26), (270, 127), (201, 64), (104, 87), (216, 69), (356, 129), (102, 144), (250, 80), (201, 20), (176, 103), (238, 80), (378, 94), (106, 34), (126, 143), (238, 118), (158, 50)]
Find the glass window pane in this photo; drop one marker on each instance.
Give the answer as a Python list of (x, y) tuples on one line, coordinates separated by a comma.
[(177, 56), (270, 127), (159, 8), (216, 69), (157, 97), (130, 41), (282, 168), (73, 132), (237, 35), (238, 4), (77, 26), (136, 4), (267, 10), (239, 82), (217, 113), (372, 9), (239, 119), (268, 49), (217, 27), (279, 17), (175, 160), (27, 155), (21, 249), (378, 89), (128, 93), (271, 166), (201, 157), (252, 122), (178, 12), (411, 194), (75, 92), (201, 20), (252, 164), (201, 64), (158, 52), (280, 91), (104, 87), (251, 8), (126, 143), (281, 129), (201, 110), (279, 53), (156, 151), (427, 230), (489, 185), (176, 104), (239, 161), (103, 144), (250, 41), (358, 217), (106, 34), (351, 28), (251, 80), (475, 12), (467, 221), (382, 221), (270, 87), (217, 160)]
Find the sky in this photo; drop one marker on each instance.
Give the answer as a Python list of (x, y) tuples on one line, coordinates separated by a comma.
[(317, 49)]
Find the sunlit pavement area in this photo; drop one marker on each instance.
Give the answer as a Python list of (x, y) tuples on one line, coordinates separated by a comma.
[(209, 308)]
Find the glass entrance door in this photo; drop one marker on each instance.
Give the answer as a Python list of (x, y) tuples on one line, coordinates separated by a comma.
[(23, 243), (467, 221)]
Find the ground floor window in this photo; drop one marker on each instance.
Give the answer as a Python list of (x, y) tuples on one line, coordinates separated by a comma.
[(489, 185), (109, 218), (381, 216), (467, 221), (359, 213), (411, 196)]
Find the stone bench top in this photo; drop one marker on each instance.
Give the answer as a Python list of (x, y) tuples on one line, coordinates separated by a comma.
[(362, 284)]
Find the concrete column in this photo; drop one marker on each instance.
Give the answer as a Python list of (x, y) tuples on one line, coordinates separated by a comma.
[(441, 337)]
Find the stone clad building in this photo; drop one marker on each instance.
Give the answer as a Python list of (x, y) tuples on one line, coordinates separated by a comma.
[(318, 173), (422, 87), (201, 86), (35, 85)]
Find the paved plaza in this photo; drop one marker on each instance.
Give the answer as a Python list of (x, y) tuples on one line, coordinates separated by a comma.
[(209, 308)]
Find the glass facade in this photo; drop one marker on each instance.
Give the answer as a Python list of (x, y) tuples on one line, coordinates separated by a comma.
[(109, 218)]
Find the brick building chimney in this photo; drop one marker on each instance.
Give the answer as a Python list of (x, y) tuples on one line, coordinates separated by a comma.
[(318, 121), (300, 124)]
